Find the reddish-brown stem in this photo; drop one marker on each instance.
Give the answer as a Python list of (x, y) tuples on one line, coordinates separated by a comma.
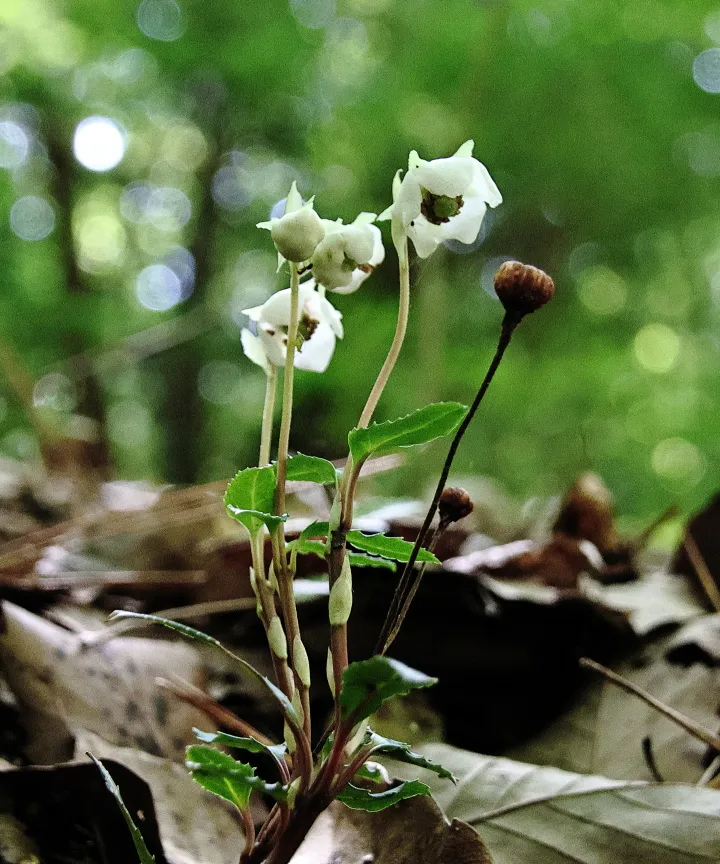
[(510, 322), (249, 827), (347, 774), (301, 820), (214, 710)]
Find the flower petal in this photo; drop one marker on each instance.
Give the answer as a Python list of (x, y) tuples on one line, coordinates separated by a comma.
[(465, 227), (364, 218), (425, 237), (253, 349), (294, 199), (485, 185), (254, 313), (316, 352), (273, 343), (409, 200), (451, 176), (414, 161), (359, 243), (332, 316), (465, 149)]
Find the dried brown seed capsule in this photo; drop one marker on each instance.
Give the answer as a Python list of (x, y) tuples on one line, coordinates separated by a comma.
[(454, 504), (522, 288)]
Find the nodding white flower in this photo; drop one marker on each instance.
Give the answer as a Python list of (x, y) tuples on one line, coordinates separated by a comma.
[(348, 254), (444, 199), (319, 326), (298, 231)]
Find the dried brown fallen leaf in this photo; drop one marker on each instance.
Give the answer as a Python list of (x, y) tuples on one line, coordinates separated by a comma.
[(411, 832), (110, 689), (194, 825), (65, 813)]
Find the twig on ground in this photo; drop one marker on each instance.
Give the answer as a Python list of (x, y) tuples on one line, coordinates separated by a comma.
[(650, 759), (689, 725), (702, 571)]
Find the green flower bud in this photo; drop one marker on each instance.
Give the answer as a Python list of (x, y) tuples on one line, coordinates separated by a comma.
[(297, 234), (341, 597)]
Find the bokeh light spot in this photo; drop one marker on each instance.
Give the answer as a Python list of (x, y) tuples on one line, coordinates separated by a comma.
[(99, 143), (677, 461), (701, 150), (231, 187), (313, 13), (182, 263), (158, 288), (218, 381), (711, 26), (54, 391), (100, 238), (14, 144), (129, 423), (160, 20), (602, 291), (168, 209), (20, 444), (706, 70), (657, 347), (32, 218), (185, 147)]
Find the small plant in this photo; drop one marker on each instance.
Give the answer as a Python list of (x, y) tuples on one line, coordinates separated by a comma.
[(296, 329)]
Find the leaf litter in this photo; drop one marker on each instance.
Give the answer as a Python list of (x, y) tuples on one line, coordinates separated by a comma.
[(603, 812)]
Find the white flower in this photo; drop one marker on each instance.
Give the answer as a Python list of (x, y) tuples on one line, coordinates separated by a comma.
[(320, 325), (444, 199), (348, 254), (297, 232)]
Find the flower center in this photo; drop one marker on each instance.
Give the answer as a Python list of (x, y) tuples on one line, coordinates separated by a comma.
[(307, 325), (438, 209)]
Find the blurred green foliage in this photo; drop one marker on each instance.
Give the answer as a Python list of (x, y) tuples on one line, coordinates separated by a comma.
[(599, 122)]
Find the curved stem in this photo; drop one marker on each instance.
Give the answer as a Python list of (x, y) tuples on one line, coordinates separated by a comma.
[(283, 572), (267, 416), (338, 634), (288, 379), (397, 342), (390, 627), (249, 830)]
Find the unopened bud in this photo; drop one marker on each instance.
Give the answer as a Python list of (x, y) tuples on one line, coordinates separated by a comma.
[(297, 234), (276, 638), (341, 596), (454, 504), (522, 288)]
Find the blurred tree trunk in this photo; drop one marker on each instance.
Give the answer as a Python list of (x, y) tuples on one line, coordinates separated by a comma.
[(182, 411), (75, 336)]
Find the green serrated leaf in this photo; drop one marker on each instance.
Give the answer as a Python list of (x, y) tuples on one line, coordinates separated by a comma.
[(401, 752), (307, 546), (250, 498), (420, 427), (311, 469), (311, 547), (388, 547), (252, 745), (371, 771), (357, 559), (366, 684), (197, 635), (224, 776), (361, 799), (142, 851)]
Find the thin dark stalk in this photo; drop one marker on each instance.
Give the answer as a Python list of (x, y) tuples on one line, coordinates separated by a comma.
[(393, 619), (412, 590)]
